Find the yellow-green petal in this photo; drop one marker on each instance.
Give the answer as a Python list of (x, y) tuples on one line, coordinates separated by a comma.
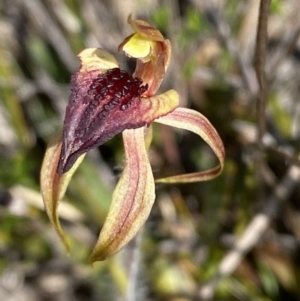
[(195, 122), (132, 199), (137, 46), (96, 59), (156, 106), (54, 185)]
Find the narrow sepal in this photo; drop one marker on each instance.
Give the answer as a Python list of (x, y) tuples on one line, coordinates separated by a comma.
[(53, 184), (195, 122), (132, 199)]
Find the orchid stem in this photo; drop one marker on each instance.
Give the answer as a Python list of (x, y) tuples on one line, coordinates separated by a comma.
[(132, 264)]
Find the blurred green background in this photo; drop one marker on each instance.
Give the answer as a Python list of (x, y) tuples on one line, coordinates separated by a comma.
[(183, 246)]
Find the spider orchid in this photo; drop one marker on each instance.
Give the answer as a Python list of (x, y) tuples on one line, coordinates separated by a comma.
[(106, 100)]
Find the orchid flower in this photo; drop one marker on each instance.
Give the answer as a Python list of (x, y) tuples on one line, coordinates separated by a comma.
[(106, 100)]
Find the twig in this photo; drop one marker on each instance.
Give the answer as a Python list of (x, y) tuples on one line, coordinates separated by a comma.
[(262, 97), (253, 232), (260, 63)]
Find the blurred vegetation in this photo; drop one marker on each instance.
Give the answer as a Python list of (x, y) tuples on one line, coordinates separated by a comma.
[(191, 227)]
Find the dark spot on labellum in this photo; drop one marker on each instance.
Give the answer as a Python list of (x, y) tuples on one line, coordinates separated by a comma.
[(103, 91), (126, 106), (118, 94)]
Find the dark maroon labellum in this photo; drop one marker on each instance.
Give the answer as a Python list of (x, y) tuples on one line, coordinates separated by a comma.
[(100, 107)]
